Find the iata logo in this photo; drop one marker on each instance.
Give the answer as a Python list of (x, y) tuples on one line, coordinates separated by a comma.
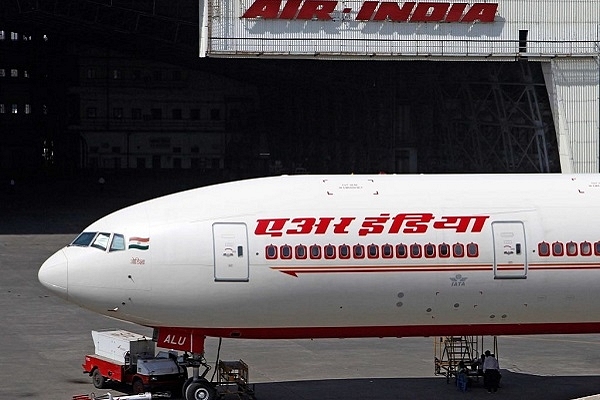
[(458, 280), (410, 11)]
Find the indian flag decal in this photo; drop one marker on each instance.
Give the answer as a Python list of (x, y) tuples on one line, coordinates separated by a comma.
[(139, 243)]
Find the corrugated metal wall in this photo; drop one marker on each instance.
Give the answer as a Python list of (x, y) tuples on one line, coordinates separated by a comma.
[(573, 88)]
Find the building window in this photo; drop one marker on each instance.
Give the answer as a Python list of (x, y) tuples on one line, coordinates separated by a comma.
[(25, 74), (158, 75), (177, 75), (117, 113), (14, 73), (2, 72), (2, 109), (27, 108), (116, 149), (195, 113), (215, 114), (136, 74), (90, 112), (176, 112), (14, 36), (177, 163), (156, 113), (2, 35), (14, 109), (91, 73), (136, 113), (116, 74)]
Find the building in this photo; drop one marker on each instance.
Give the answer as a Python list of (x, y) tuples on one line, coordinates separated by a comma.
[(32, 95), (143, 114)]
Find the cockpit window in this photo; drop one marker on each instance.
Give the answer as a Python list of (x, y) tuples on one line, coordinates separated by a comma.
[(118, 242), (84, 239), (101, 241)]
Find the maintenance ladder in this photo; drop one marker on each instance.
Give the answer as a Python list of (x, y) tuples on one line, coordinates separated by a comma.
[(449, 351)]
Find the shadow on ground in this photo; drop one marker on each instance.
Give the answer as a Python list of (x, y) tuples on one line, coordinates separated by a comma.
[(515, 386)]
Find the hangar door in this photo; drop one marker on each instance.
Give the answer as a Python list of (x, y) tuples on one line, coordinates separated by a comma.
[(231, 252), (510, 256)]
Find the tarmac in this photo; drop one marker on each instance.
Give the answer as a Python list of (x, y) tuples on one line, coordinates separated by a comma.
[(43, 339)]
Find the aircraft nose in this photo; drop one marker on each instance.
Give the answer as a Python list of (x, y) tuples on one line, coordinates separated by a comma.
[(53, 274)]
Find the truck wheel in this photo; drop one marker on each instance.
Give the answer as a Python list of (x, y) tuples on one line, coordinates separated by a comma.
[(138, 386), (200, 390), (98, 380), (185, 386)]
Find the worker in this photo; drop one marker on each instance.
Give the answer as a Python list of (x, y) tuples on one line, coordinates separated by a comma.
[(462, 377), (491, 372)]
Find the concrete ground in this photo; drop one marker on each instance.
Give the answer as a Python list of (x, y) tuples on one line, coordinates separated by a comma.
[(43, 339)]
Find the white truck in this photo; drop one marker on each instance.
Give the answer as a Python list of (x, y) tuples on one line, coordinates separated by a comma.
[(129, 358)]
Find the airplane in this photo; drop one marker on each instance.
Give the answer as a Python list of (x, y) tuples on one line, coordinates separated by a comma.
[(313, 256)]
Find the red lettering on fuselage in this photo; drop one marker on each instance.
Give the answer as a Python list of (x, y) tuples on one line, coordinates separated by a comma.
[(384, 223), (409, 11)]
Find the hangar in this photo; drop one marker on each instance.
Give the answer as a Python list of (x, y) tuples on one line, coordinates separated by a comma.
[(533, 43), (326, 86)]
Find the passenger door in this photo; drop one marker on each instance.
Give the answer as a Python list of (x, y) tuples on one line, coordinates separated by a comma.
[(510, 252), (231, 252)]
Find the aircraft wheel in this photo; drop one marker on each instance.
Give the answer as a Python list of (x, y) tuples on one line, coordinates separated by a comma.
[(98, 380), (200, 390)]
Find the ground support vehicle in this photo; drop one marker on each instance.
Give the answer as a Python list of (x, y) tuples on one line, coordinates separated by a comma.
[(129, 358)]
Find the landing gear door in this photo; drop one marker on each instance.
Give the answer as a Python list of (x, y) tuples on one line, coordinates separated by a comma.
[(510, 255), (231, 252)]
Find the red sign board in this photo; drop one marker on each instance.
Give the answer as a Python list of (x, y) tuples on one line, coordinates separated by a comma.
[(369, 10)]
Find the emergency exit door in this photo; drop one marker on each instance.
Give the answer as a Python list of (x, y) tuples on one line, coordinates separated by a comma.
[(231, 252), (510, 253)]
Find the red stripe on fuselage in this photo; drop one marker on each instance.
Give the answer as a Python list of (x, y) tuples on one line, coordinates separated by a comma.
[(393, 331)]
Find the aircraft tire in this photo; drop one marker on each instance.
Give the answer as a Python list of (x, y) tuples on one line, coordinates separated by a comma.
[(98, 380), (200, 390)]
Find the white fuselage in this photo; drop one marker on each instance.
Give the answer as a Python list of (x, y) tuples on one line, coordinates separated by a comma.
[(341, 256)]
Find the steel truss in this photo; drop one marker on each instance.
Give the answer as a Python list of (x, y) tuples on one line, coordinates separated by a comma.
[(498, 122)]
